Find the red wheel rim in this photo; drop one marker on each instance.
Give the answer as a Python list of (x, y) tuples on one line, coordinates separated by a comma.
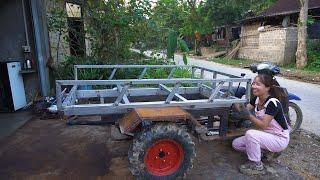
[(164, 157)]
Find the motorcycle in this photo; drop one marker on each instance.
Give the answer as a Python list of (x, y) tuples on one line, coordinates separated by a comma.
[(292, 111)]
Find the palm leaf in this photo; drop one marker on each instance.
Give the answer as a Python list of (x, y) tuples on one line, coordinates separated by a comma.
[(183, 45), (172, 44)]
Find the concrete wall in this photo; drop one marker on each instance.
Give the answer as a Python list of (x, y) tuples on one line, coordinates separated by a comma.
[(291, 45), (277, 45)]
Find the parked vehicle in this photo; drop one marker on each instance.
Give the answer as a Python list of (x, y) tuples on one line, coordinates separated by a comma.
[(158, 115)]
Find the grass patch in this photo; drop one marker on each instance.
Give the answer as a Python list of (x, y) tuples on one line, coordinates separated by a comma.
[(311, 68), (233, 62), (310, 73), (306, 70)]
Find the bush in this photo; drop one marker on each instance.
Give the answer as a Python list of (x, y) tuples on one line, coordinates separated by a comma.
[(313, 51), (65, 69)]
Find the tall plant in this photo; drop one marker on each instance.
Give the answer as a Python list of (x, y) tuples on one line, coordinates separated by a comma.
[(174, 42)]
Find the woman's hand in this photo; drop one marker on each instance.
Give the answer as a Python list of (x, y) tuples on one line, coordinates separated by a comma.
[(238, 107), (262, 124), (244, 112)]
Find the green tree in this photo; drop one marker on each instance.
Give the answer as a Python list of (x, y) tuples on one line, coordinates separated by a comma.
[(113, 26), (195, 23), (167, 16), (222, 12)]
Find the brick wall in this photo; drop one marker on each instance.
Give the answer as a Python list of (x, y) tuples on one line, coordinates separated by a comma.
[(277, 45)]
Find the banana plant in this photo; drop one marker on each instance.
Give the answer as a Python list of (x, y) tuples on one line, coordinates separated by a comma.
[(174, 42)]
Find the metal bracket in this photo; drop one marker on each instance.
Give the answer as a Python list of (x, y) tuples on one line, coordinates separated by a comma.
[(125, 98), (171, 73), (215, 92), (143, 73), (112, 73), (165, 88), (172, 93), (71, 98), (121, 95)]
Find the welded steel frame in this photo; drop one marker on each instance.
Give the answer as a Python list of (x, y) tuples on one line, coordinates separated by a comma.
[(171, 87)]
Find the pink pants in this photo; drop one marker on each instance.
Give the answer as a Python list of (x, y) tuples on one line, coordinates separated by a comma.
[(253, 141)]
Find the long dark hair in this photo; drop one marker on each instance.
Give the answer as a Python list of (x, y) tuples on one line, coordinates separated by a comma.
[(275, 90)]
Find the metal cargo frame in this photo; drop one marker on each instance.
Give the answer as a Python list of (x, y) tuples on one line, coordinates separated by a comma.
[(122, 91)]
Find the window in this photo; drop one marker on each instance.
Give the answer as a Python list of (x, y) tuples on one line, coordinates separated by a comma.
[(73, 10), (221, 33)]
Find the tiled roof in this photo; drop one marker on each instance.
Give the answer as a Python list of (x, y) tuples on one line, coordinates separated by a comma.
[(283, 7)]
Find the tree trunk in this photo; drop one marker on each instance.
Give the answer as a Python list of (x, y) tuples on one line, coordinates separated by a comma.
[(301, 54), (198, 48), (197, 44)]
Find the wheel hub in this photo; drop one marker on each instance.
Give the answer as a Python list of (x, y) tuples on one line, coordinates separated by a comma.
[(164, 157), (161, 154)]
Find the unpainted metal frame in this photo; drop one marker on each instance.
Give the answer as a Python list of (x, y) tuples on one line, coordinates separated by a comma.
[(209, 88)]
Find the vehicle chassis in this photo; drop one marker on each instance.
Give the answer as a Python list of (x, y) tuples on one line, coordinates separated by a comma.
[(197, 100), (216, 102)]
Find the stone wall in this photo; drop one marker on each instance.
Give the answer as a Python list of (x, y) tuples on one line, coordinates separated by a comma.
[(277, 45)]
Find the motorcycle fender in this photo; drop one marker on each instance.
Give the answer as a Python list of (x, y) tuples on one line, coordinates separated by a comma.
[(292, 96)]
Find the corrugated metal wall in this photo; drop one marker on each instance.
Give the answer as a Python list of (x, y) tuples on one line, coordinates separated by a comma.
[(12, 30), (13, 37)]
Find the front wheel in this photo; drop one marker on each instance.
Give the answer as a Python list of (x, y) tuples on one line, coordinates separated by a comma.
[(295, 116), (165, 151)]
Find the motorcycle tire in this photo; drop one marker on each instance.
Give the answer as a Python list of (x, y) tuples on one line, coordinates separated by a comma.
[(295, 124)]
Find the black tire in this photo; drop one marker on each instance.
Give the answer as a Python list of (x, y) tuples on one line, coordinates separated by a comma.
[(295, 124), (149, 139)]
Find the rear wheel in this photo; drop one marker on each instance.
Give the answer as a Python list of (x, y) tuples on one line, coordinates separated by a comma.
[(165, 151), (295, 116)]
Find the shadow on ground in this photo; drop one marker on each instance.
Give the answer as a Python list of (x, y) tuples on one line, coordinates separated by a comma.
[(48, 149)]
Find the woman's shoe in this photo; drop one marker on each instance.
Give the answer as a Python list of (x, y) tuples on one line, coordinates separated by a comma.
[(252, 168)]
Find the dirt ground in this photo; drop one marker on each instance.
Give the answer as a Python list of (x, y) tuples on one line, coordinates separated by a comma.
[(300, 76), (49, 149), (303, 154)]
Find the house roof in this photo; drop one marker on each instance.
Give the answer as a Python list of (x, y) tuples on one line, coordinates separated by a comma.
[(284, 7)]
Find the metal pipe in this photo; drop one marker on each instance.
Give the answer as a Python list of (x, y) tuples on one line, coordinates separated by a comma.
[(130, 66), (40, 47), (59, 96), (75, 72), (25, 23), (147, 81)]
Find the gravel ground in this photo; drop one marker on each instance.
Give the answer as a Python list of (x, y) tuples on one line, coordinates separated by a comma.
[(303, 155)]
